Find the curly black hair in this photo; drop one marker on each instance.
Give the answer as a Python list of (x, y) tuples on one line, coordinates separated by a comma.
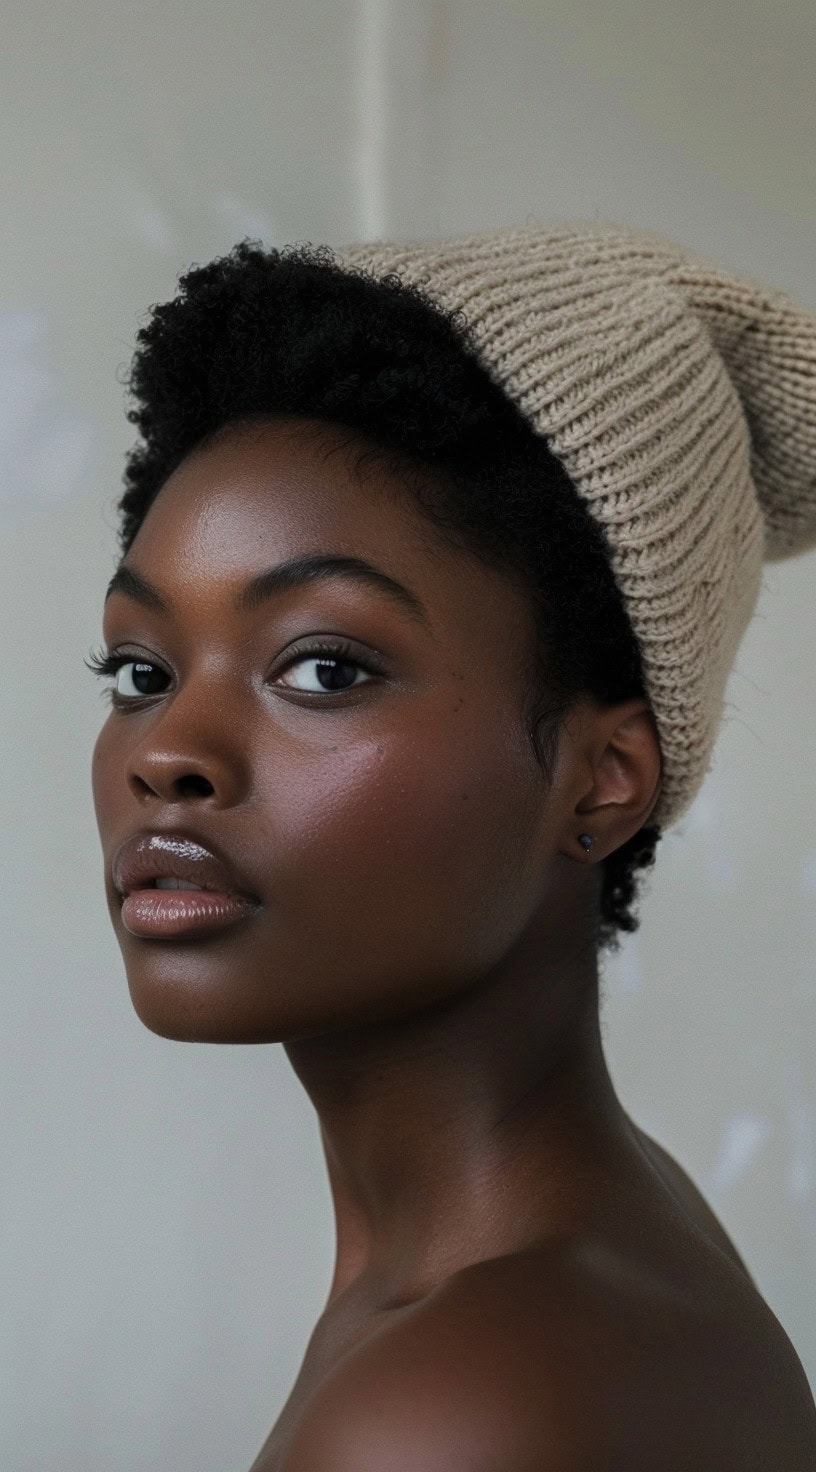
[(267, 332)]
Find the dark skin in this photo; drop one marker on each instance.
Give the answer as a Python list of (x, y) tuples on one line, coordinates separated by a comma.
[(522, 1278)]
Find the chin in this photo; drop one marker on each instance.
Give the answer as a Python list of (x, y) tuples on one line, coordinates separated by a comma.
[(187, 1014)]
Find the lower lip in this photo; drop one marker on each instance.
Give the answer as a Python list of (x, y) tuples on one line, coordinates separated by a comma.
[(164, 914)]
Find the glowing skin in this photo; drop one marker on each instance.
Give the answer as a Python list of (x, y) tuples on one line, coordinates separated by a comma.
[(421, 941), (400, 836)]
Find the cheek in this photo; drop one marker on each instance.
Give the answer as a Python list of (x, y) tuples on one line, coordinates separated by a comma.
[(423, 840)]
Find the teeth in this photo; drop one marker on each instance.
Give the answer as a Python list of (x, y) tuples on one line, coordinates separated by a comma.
[(176, 884)]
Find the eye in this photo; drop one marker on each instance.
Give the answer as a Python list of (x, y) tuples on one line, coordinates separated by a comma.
[(134, 678), (333, 661), (137, 677)]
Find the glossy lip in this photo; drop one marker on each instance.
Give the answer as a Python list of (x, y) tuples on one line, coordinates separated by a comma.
[(173, 914), (147, 856)]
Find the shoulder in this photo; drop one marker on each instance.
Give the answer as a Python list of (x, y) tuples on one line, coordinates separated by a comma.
[(530, 1361), (561, 1360), (426, 1395)]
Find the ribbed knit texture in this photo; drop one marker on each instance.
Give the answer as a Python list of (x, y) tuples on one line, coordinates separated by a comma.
[(681, 400)]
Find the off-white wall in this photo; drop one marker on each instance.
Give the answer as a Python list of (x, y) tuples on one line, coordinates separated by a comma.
[(165, 1234)]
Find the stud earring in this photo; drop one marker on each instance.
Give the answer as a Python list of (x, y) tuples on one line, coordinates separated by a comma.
[(586, 840)]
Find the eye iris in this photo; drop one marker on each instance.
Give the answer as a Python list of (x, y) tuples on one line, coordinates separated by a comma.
[(334, 668), (144, 677)]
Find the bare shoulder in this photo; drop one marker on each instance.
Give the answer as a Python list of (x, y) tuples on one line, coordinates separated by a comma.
[(559, 1361), (439, 1389)]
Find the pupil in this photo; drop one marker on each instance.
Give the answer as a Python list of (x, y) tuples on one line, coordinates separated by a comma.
[(331, 667), (142, 675)]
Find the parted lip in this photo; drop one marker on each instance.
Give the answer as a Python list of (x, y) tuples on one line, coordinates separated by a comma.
[(147, 856)]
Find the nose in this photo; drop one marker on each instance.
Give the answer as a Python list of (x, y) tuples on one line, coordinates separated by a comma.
[(205, 759)]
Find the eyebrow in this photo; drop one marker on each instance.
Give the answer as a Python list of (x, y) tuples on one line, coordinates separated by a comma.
[(316, 567)]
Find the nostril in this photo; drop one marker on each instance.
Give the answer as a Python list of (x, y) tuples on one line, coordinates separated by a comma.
[(194, 784)]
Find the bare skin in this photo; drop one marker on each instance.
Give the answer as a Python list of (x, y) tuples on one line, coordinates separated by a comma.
[(421, 947)]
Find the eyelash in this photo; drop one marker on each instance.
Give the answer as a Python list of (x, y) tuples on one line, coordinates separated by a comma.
[(108, 665)]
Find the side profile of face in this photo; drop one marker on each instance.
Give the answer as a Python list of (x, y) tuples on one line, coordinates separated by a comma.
[(382, 807)]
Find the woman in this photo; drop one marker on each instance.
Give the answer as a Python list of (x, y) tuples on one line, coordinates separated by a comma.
[(435, 561)]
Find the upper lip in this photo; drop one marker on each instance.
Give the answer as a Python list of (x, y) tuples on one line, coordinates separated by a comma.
[(147, 856)]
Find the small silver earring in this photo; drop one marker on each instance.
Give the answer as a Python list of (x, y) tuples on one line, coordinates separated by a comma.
[(586, 840)]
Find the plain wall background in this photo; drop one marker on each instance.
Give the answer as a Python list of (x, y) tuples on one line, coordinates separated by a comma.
[(166, 1238)]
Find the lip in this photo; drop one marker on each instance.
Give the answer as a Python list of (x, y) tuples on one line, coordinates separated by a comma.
[(222, 899), (160, 914)]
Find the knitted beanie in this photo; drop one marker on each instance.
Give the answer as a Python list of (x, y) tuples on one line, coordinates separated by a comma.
[(680, 399)]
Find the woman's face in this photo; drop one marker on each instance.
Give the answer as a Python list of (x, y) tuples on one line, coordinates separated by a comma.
[(387, 818)]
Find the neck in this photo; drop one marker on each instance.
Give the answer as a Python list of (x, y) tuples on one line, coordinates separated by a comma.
[(473, 1128)]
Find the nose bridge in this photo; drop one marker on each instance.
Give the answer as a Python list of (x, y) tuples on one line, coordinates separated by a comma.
[(194, 746)]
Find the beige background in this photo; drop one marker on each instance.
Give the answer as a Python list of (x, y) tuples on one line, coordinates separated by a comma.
[(165, 1230)]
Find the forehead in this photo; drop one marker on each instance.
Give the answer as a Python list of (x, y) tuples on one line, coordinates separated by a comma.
[(272, 488)]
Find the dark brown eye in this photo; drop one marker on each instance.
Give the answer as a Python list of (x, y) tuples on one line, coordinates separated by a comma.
[(336, 665), (330, 674), (132, 677), (137, 677)]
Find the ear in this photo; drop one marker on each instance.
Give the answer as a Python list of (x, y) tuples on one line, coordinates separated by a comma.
[(615, 774)]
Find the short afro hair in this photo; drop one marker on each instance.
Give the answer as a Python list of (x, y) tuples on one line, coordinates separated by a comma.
[(288, 332)]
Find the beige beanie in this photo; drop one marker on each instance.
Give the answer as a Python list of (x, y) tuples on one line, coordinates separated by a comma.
[(681, 401)]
